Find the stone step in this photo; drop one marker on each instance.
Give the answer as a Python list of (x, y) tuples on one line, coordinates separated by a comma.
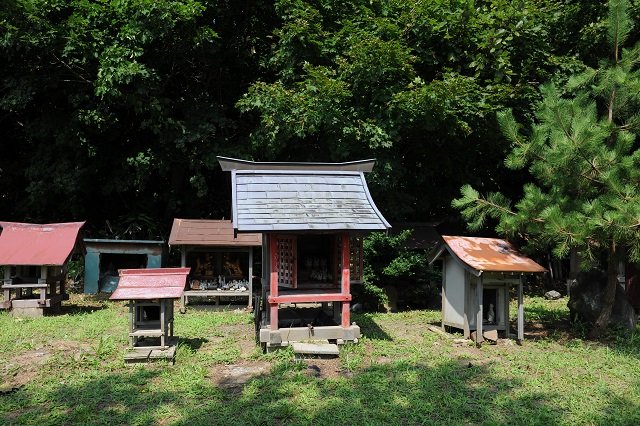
[(316, 349)]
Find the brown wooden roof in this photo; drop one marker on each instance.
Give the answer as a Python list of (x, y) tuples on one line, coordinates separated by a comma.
[(203, 232)]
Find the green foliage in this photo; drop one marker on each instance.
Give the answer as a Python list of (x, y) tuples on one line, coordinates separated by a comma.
[(387, 260), (114, 109), (409, 83), (583, 153), (118, 109)]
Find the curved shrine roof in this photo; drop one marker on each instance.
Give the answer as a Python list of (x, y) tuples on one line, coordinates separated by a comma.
[(302, 197)]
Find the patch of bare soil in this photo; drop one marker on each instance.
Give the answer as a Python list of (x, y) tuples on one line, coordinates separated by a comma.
[(326, 368), (22, 368), (233, 377)]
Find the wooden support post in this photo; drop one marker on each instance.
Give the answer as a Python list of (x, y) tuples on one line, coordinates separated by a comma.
[(132, 322), (273, 281), (479, 290), (63, 289), (43, 280), (250, 284), (183, 264), (7, 281), (346, 279), (520, 311), (171, 308), (163, 322), (443, 297)]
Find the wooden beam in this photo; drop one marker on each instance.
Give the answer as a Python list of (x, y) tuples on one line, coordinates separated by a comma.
[(163, 321), (310, 298), (250, 283)]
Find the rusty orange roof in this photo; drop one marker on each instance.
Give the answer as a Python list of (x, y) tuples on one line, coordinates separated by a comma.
[(151, 283), (205, 232), (32, 244), (489, 255)]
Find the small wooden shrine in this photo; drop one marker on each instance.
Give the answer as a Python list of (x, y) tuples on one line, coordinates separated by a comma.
[(151, 294), (35, 261), (221, 260), (105, 257), (477, 276), (312, 217)]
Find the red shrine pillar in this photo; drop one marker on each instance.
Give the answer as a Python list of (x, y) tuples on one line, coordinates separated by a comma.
[(273, 281), (346, 279)]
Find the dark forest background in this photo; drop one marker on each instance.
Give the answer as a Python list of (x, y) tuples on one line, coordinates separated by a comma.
[(114, 111)]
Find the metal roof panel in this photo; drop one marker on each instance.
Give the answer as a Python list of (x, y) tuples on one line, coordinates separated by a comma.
[(33, 244), (304, 200), (489, 255), (151, 283)]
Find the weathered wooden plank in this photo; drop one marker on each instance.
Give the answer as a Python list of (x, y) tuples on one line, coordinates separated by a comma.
[(309, 227), (312, 298), (301, 194), (146, 333), (298, 187), (39, 285), (348, 211), (293, 334), (282, 202), (319, 215), (308, 221), (302, 179), (215, 293)]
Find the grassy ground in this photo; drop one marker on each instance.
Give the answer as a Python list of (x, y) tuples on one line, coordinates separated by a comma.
[(69, 369)]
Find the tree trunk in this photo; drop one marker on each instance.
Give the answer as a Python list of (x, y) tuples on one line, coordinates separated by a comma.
[(609, 295)]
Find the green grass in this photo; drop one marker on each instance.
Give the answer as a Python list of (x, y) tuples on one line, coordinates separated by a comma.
[(69, 369)]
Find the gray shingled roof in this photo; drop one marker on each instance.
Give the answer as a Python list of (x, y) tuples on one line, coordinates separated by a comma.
[(295, 199)]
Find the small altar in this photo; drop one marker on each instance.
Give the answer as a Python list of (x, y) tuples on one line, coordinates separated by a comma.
[(151, 294), (221, 262), (35, 261)]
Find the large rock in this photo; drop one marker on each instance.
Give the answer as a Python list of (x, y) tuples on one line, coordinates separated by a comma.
[(587, 293), (552, 295)]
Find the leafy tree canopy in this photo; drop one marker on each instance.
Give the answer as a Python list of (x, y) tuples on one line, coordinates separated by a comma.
[(583, 152)]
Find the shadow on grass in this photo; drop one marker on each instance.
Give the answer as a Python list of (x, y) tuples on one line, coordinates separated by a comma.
[(192, 343), (369, 328), (549, 323), (74, 309), (399, 392)]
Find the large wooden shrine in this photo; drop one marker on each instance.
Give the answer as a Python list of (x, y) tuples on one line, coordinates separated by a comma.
[(312, 217), (35, 261)]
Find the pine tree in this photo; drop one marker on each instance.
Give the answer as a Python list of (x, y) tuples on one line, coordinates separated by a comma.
[(582, 152)]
